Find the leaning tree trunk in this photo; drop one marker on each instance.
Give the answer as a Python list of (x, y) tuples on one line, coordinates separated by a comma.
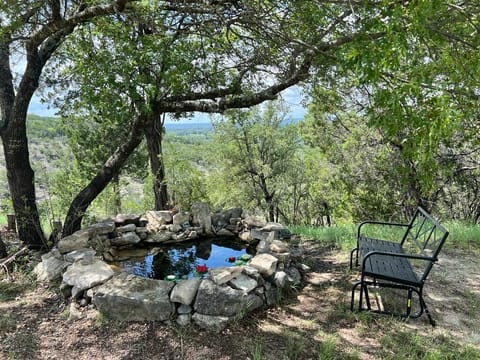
[(153, 134), (109, 170)]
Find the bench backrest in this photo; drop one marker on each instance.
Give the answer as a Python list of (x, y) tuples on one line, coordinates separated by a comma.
[(424, 237)]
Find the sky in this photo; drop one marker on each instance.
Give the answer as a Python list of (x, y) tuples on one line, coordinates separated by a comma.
[(291, 96)]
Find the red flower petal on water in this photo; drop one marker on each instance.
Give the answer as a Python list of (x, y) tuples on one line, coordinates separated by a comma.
[(201, 269)]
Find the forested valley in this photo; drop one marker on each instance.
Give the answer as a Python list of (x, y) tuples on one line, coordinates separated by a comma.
[(311, 171)]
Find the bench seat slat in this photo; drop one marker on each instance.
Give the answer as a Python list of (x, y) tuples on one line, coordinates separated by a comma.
[(366, 244), (391, 268)]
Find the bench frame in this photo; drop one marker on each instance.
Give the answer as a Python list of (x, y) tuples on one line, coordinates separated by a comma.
[(396, 264)]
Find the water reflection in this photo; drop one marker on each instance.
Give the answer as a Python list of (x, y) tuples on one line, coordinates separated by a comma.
[(180, 259)]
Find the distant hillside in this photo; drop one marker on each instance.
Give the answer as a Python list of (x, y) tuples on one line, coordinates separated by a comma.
[(49, 148)]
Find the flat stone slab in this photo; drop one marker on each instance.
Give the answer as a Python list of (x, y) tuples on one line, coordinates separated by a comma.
[(131, 298), (184, 292), (78, 240), (222, 275), (128, 238), (84, 276), (244, 283), (266, 264), (80, 254)]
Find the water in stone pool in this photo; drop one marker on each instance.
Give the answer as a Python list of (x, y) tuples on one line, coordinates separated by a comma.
[(181, 259)]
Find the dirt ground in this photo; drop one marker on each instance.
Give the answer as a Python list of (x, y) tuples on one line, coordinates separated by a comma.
[(314, 322)]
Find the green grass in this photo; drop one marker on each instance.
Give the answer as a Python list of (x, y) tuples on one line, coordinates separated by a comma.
[(401, 344), (461, 235)]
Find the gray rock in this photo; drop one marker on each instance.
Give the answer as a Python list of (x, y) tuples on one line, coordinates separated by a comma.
[(257, 234), (129, 238), (254, 301), (181, 218), (184, 292), (272, 294), (211, 322), (80, 254), (132, 298), (278, 246), (254, 222), (184, 309), (293, 276), (78, 240), (156, 219), (225, 232), (174, 228), (224, 274), (235, 221), (184, 319), (192, 235), (180, 237), (125, 219), (51, 267), (254, 274), (266, 264), (213, 299), (201, 217), (269, 226), (126, 228), (263, 247), (280, 279), (101, 228), (85, 276), (141, 232), (74, 312), (245, 236), (244, 283), (159, 237)]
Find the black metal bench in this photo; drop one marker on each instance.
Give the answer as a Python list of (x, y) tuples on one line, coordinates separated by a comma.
[(401, 264)]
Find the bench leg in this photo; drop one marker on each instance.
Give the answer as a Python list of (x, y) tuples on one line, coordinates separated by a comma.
[(409, 303), (423, 304), (363, 292)]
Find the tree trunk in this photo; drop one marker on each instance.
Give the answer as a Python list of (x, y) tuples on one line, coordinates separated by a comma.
[(22, 191), (117, 199), (111, 168), (13, 131), (3, 249), (153, 134)]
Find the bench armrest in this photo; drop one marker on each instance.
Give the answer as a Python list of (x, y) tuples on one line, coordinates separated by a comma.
[(400, 255), (380, 223)]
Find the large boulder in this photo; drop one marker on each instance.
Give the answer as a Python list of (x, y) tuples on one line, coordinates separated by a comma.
[(222, 300), (83, 275), (132, 298)]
